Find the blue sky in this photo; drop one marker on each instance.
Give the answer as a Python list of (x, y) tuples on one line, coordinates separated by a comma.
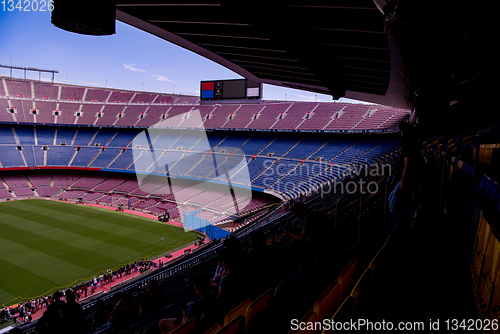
[(131, 59)]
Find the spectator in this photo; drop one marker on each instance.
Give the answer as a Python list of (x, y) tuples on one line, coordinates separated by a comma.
[(260, 260), (219, 272), (74, 318), (410, 173), (233, 245), (4, 315), (230, 292), (410, 159), (52, 320), (150, 301), (315, 230), (28, 317), (125, 312), (201, 308)]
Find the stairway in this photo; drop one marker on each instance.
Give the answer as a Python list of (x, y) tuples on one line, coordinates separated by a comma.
[(311, 114), (284, 114)]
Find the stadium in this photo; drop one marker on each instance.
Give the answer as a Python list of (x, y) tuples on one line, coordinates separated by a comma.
[(291, 206)]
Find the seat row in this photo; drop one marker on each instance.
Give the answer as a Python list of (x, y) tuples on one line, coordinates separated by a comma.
[(243, 318), (485, 271), (344, 299)]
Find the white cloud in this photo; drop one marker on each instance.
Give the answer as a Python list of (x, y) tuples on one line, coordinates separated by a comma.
[(131, 67), (162, 78), (306, 97)]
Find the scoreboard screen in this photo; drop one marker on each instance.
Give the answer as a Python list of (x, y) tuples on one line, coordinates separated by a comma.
[(230, 89)]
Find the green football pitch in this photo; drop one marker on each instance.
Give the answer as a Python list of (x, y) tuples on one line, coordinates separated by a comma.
[(48, 244)]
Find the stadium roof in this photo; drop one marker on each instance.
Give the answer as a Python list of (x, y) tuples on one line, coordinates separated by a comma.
[(341, 48), (344, 48)]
